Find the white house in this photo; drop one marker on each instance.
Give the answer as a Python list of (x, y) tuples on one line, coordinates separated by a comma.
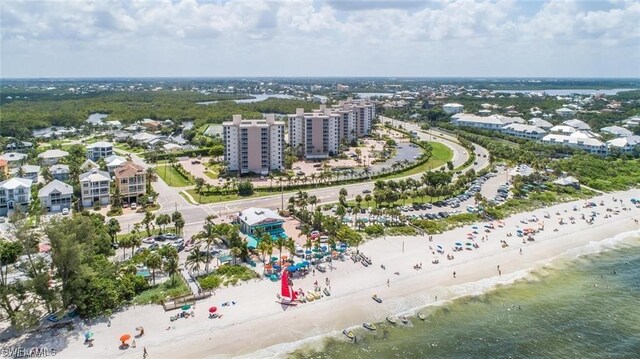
[(113, 162), (18, 146), (51, 157), (98, 150), (452, 108), (94, 187), (633, 121), (524, 131), (30, 172), (55, 196), (565, 112), (625, 145), (577, 124), (60, 172), (14, 193), (13, 158), (493, 122), (577, 140), (172, 148), (538, 122), (562, 130), (617, 131)]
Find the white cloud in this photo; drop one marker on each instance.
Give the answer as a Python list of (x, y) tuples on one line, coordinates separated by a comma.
[(315, 37)]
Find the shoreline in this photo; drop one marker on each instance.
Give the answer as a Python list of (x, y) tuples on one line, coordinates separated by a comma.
[(257, 327)]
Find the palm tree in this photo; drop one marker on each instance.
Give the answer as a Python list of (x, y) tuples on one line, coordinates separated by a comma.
[(154, 261), (124, 243), (235, 252), (263, 247), (136, 241), (279, 243), (171, 267), (290, 244), (194, 259), (207, 256)]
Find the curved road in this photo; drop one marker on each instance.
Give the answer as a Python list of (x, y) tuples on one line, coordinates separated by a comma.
[(195, 214)]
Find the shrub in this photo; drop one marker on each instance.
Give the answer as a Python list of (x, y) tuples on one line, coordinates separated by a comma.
[(210, 282), (374, 230), (245, 188)]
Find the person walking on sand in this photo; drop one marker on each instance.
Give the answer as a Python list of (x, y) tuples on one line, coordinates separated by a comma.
[(454, 274), (144, 353), (387, 282)]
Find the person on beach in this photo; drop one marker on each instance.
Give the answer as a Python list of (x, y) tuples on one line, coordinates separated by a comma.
[(144, 353), (387, 282), (454, 274)]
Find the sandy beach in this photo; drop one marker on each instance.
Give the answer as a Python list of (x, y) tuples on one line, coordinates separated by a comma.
[(258, 327)]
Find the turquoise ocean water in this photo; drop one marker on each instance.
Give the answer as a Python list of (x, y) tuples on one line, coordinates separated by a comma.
[(584, 307)]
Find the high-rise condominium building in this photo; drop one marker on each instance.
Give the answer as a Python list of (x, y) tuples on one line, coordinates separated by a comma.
[(364, 113), (253, 146), (315, 134)]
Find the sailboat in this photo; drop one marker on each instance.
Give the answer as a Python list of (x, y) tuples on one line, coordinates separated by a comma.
[(287, 294)]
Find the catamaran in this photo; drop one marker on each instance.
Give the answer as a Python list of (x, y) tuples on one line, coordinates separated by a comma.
[(287, 294)]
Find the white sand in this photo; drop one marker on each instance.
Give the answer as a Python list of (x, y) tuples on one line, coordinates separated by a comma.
[(258, 327)]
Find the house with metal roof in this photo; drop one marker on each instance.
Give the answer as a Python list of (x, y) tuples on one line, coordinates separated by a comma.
[(94, 187), (617, 131), (51, 157), (55, 196), (14, 193)]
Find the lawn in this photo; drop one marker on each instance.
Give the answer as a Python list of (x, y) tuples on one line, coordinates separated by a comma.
[(126, 147), (440, 154), (163, 291), (172, 177), (213, 171)]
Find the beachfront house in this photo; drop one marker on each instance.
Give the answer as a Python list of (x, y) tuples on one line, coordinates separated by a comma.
[(132, 180), (51, 157), (14, 193), (252, 218), (55, 196), (94, 188), (113, 162), (628, 145)]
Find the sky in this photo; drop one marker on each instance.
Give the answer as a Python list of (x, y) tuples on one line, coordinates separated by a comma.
[(298, 38)]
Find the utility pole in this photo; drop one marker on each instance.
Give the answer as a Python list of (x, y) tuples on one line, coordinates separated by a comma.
[(281, 197)]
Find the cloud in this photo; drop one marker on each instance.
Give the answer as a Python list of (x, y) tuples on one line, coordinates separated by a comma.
[(316, 37)]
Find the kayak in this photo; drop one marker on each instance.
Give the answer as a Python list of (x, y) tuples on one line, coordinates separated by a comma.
[(404, 320), (369, 326), (349, 334), (422, 316), (392, 320), (376, 298), (326, 292)]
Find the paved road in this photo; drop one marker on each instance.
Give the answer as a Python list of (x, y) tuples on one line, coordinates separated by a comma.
[(194, 215)]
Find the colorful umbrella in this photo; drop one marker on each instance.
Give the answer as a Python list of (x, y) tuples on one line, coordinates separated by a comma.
[(458, 244), (186, 307), (125, 337), (213, 310), (88, 335)]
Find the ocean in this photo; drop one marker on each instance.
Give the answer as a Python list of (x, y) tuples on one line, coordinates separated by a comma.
[(579, 306)]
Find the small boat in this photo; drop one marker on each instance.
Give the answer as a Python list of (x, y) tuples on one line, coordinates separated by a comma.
[(422, 316), (376, 298), (392, 320), (326, 292), (369, 326), (349, 334), (404, 320)]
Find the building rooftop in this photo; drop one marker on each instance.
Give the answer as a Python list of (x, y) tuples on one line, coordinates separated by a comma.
[(55, 153), (100, 144), (519, 127), (573, 140), (128, 169), (254, 215), (54, 186), (13, 156), (15, 182), (579, 124), (538, 122), (617, 130), (114, 160), (59, 168), (95, 175), (625, 141)]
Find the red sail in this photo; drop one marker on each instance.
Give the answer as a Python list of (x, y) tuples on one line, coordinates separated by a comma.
[(285, 292)]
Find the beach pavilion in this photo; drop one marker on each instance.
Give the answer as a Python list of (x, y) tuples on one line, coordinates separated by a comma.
[(253, 218)]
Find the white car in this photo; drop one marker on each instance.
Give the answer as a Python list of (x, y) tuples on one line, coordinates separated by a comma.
[(149, 240), (65, 211), (134, 205)]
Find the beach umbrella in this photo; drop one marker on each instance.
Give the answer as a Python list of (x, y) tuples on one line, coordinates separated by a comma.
[(88, 335), (469, 244), (305, 264), (273, 259), (125, 337), (474, 227), (186, 307), (308, 251), (292, 268), (439, 246), (213, 310), (284, 257), (458, 244)]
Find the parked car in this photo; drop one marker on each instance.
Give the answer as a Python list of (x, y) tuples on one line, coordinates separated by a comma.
[(154, 246), (134, 205), (366, 191), (65, 211), (149, 240), (195, 162), (168, 236)]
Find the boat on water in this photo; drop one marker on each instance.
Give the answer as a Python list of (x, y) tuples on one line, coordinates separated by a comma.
[(392, 320), (376, 298), (349, 334), (404, 320), (288, 296), (369, 326), (422, 316)]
